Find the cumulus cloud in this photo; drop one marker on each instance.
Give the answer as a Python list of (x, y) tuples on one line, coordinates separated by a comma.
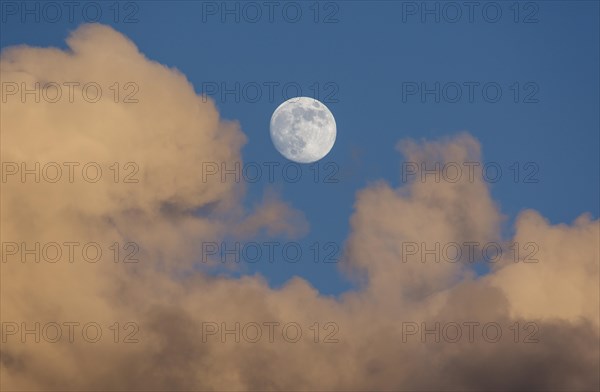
[(375, 340)]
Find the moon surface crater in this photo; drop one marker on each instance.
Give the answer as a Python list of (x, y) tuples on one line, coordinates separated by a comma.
[(303, 129)]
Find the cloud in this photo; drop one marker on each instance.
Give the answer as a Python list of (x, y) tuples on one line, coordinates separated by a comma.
[(442, 212), (168, 134)]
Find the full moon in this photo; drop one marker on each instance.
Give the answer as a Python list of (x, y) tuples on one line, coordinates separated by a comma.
[(303, 130)]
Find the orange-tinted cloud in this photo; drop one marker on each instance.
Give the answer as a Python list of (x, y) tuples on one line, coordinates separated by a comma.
[(371, 342)]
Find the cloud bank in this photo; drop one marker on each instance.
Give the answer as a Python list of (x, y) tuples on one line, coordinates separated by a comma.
[(381, 336)]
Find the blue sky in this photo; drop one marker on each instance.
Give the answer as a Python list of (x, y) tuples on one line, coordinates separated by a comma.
[(360, 63)]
